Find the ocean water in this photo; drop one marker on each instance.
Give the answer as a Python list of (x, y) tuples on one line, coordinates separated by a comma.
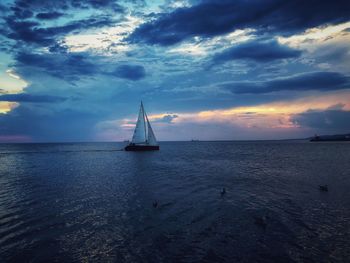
[(89, 202)]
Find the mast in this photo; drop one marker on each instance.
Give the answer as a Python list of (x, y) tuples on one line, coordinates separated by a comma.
[(144, 120)]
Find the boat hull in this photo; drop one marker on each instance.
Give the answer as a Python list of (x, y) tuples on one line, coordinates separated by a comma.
[(139, 148)]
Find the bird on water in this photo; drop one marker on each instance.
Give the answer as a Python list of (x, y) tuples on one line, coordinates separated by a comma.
[(261, 221), (223, 192), (323, 188), (155, 204)]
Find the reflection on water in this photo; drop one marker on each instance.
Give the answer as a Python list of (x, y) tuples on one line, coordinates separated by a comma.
[(91, 202)]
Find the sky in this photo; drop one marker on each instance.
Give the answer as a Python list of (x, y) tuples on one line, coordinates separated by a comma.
[(74, 70)]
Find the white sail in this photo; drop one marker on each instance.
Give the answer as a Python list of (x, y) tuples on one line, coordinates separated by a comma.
[(143, 133), (140, 129), (151, 139)]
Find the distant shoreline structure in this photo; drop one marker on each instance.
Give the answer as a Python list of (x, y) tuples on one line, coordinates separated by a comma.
[(330, 138)]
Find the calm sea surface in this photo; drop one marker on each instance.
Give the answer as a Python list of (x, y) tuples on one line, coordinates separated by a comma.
[(87, 202)]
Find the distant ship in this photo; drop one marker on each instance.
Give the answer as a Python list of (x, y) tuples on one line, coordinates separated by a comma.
[(143, 138)]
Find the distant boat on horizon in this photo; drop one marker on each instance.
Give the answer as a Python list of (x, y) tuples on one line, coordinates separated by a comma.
[(143, 138)]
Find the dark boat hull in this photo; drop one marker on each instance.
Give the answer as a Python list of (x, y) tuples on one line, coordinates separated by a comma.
[(140, 148)]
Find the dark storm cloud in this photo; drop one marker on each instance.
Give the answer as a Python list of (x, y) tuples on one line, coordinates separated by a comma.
[(3, 8), (331, 119), (30, 31), (40, 5), (20, 13), (70, 66), (49, 15), (22, 97), (25, 31), (97, 4), (63, 125), (261, 51), (322, 81), (131, 72), (65, 66), (216, 17), (23, 19)]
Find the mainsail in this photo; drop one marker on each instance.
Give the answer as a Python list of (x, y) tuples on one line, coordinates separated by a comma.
[(140, 129), (143, 133)]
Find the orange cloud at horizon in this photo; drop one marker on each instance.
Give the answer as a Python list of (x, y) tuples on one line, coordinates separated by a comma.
[(269, 115), (6, 106), (265, 121)]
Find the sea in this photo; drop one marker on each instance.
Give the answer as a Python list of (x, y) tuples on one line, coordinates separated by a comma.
[(228, 201)]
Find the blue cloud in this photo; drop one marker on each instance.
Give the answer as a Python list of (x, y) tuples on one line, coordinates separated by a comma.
[(30, 32), (167, 118), (261, 51), (21, 13), (3, 8), (65, 66), (216, 17), (24, 20), (49, 15), (72, 67), (38, 5), (23, 97), (322, 81), (97, 4), (131, 72), (64, 125), (332, 120)]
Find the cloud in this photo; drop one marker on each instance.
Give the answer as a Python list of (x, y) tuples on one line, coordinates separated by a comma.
[(30, 32), (98, 4), (38, 5), (73, 66), (21, 13), (66, 66), (338, 106), (260, 51), (23, 97), (322, 81), (217, 17), (336, 120), (166, 118), (49, 15), (61, 125), (39, 31), (3, 8), (130, 72)]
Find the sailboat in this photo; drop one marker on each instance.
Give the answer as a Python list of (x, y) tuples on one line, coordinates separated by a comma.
[(143, 138)]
